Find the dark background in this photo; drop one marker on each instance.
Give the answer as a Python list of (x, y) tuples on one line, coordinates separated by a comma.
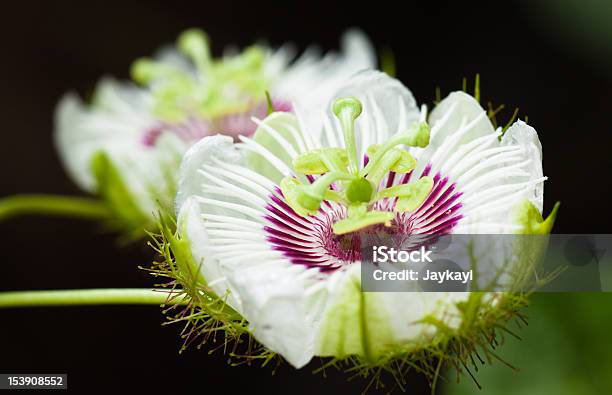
[(527, 57)]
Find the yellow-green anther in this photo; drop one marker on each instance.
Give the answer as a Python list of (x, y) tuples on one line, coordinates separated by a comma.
[(405, 164), (194, 43), (353, 224), (335, 196), (253, 57), (290, 187), (322, 184), (416, 136), (414, 194), (357, 210), (347, 110), (144, 70), (320, 161), (307, 198), (382, 166)]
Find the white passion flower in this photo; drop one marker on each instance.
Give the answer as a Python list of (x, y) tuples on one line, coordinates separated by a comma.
[(126, 144), (280, 243)]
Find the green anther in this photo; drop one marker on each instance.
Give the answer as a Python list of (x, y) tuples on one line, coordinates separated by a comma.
[(417, 193), (405, 163), (347, 110), (357, 210), (320, 161), (307, 198), (416, 136), (194, 43), (384, 165), (359, 190), (350, 224), (291, 191), (335, 196), (144, 70)]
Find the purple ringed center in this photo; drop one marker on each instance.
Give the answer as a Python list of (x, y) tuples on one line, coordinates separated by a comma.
[(310, 241)]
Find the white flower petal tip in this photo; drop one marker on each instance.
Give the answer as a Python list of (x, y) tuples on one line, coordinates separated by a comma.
[(357, 47), (206, 151), (273, 301), (68, 113), (522, 135), (283, 240)]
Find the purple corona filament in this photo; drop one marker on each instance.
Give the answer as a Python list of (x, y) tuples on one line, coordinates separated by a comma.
[(311, 241)]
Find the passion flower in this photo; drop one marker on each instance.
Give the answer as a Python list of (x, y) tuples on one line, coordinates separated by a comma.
[(270, 226)]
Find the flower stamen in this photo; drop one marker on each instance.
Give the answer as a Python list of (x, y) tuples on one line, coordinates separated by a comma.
[(341, 181)]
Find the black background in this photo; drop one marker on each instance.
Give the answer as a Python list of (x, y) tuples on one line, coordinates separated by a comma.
[(48, 48)]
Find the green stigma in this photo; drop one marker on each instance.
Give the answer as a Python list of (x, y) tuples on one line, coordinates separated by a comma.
[(213, 88), (341, 180)]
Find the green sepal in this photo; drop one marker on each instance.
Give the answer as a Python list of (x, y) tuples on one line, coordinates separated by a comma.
[(352, 224), (317, 161), (112, 188), (531, 221), (296, 198)]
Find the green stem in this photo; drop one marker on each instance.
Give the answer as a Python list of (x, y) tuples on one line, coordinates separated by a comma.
[(63, 206), (87, 297)]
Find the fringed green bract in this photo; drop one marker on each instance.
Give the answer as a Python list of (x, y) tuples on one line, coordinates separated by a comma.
[(206, 319)]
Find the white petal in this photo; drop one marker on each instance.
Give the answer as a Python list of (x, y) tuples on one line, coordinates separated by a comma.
[(192, 229), (222, 208), (455, 121), (522, 135), (202, 153), (275, 302), (311, 80)]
